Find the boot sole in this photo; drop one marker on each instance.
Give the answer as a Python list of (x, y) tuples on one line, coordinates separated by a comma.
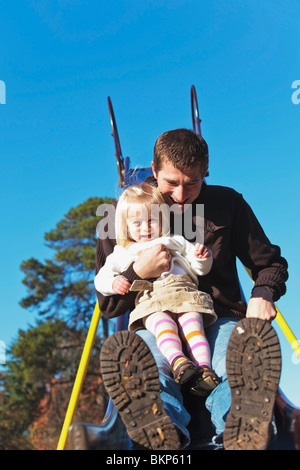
[(253, 365), (130, 376)]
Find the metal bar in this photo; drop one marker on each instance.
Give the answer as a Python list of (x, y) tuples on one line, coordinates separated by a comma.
[(115, 134), (195, 111), (284, 327), (79, 377), (288, 332)]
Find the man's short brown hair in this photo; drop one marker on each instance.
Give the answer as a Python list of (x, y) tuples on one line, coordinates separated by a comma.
[(183, 148)]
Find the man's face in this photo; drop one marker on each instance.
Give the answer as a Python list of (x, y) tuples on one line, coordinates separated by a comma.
[(178, 187)]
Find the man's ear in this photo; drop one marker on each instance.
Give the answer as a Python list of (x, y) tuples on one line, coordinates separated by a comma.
[(153, 170)]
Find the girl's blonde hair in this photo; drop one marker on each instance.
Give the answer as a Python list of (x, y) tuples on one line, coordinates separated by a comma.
[(145, 197)]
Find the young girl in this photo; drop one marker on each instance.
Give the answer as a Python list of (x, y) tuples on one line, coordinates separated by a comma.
[(172, 306)]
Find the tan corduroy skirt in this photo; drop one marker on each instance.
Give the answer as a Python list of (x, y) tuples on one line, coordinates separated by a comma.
[(176, 293)]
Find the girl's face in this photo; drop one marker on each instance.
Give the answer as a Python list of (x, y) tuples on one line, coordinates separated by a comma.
[(141, 227)]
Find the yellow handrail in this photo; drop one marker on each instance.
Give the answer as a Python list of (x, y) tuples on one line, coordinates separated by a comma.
[(79, 377), (284, 327), (288, 332)]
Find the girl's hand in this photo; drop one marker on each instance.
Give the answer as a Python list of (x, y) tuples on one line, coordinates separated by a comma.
[(121, 285), (201, 251)]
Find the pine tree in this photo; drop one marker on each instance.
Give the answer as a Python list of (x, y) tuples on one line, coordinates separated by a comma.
[(36, 384), (63, 286)]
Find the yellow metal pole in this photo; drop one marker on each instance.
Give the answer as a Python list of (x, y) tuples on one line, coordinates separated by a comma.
[(79, 377), (284, 327), (288, 332)]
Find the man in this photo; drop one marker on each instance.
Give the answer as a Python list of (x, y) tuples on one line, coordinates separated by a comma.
[(231, 231)]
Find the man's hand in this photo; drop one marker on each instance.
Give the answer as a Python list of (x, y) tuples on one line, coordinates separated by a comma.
[(261, 305), (152, 262), (121, 285)]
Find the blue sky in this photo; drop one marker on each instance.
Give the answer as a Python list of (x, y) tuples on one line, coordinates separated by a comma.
[(60, 59)]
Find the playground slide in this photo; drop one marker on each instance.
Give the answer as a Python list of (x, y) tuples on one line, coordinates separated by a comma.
[(111, 433)]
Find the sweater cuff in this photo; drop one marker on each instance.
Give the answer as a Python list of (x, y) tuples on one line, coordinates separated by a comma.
[(130, 274), (276, 292)]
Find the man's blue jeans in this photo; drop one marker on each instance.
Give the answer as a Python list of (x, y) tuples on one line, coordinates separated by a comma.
[(218, 402)]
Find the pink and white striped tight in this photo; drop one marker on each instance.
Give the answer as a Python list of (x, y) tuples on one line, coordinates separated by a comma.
[(190, 328)]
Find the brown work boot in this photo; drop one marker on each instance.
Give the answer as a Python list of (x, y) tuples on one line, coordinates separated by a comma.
[(184, 371), (206, 380), (253, 368), (130, 376)]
